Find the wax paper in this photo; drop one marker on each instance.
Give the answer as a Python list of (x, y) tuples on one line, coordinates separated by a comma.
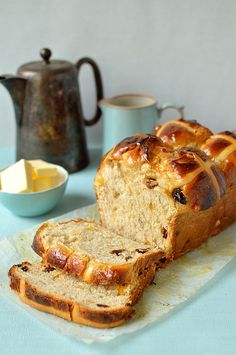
[(173, 285)]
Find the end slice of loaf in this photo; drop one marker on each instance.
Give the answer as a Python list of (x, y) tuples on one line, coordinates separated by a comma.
[(51, 290), (93, 253)]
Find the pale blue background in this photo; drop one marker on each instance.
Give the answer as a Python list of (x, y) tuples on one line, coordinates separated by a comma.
[(182, 51), (206, 325)]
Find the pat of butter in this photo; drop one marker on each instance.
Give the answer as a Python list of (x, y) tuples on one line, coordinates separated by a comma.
[(42, 169), (45, 183), (17, 178)]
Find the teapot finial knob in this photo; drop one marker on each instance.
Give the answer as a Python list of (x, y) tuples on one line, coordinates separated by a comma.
[(46, 54)]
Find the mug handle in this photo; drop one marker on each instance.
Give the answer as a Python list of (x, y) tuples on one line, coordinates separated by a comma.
[(99, 87), (162, 108)]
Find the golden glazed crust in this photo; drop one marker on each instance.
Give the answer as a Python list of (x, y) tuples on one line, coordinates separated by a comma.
[(182, 133), (221, 148), (140, 148)]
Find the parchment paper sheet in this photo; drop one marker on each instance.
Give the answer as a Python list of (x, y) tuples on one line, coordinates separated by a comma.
[(174, 285)]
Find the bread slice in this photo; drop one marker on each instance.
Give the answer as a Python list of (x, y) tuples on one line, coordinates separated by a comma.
[(51, 290), (92, 253)]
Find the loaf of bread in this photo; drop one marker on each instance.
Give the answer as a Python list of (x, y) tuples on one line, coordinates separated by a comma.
[(169, 195), (92, 253), (53, 291)]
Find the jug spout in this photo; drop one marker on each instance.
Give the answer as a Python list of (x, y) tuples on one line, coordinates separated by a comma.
[(16, 87)]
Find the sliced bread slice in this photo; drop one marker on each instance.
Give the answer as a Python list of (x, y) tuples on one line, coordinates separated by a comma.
[(51, 290), (93, 253)]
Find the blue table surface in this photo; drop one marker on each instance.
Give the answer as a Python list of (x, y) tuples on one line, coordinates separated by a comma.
[(204, 325)]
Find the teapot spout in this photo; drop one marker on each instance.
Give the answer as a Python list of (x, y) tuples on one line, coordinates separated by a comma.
[(16, 87)]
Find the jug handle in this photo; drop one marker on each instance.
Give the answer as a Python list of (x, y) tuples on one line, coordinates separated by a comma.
[(166, 106), (99, 87)]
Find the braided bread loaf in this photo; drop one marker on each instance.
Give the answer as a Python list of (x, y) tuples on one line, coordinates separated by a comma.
[(165, 197)]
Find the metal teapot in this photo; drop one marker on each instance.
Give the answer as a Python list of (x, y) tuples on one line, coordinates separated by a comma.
[(50, 122)]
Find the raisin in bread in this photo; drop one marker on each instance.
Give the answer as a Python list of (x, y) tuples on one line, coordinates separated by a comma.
[(51, 290), (93, 253), (167, 198)]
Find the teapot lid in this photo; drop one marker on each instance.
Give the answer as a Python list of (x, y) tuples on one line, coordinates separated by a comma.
[(45, 65)]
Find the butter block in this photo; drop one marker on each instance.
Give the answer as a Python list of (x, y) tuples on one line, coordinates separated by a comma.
[(45, 183), (42, 169), (17, 178)]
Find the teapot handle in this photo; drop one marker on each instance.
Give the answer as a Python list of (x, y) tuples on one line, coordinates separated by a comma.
[(99, 87)]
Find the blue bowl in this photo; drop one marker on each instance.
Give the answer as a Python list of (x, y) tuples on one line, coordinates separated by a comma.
[(35, 203)]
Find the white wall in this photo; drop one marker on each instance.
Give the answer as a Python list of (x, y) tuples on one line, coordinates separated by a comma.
[(182, 51)]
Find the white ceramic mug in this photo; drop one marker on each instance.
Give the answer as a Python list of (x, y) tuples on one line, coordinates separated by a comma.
[(127, 114)]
